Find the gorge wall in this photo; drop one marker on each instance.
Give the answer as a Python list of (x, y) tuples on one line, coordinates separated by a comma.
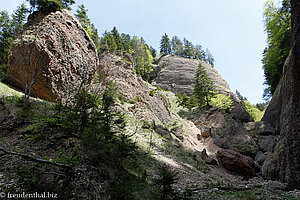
[(283, 113)]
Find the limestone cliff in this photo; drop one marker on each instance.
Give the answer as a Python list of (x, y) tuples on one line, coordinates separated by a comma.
[(56, 51), (283, 113), (178, 75)]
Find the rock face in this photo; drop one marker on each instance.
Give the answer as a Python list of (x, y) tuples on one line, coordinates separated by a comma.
[(178, 74), (283, 113), (119, 69), (56, 51), (236, 163)]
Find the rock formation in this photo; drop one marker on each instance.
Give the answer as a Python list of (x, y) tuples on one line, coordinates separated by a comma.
[(119, 69), (56, 51), (178, 74), (283, 112), (236, 163)]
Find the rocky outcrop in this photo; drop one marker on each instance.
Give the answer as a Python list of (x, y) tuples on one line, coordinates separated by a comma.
[(259, 128), (56, 51), (236, 163), (283, 113), (178, 74), (145, 105)]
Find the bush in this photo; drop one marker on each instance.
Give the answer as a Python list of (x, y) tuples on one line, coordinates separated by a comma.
[(222, 101)]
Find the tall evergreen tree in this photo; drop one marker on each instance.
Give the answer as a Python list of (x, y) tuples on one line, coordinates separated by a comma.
[(177, 46), (199, 53), (10, 27), (209, 57), (108, 42), (189, 51), (50, 5), (165, 46), (81, 15), (118, 39), (204, 87)]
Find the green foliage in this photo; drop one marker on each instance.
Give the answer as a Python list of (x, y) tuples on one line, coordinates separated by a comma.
[(278, 28), (10, 27), (187, 102), (204, 87), (253, 111), (81, 14), (262, 106), (50, 5), (189, 50), (184, 49), (137, 47), (167, 178), (222, 101), (165, 46)]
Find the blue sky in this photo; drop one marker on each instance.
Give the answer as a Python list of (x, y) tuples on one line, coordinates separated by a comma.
[(232, 30)]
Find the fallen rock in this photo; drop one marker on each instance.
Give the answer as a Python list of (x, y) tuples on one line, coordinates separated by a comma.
[(267, 143), (56, 51), (259, 128), (207, 159), (260, 158), (236, 163)]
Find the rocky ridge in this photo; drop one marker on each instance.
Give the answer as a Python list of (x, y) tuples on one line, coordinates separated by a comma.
[(56, 51)]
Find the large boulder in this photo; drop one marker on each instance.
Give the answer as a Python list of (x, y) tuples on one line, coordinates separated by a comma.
[(56, 51), (260, 128), (236, 163), (178, 75), (283, 113)]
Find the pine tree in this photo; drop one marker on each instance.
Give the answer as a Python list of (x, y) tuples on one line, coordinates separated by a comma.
[(118, 39), (50, 5), (209, 57), (108, 42), (199, 53), (10, 27), (204, 87), (177, 46), (81, 15), (189, 50), (165, 46)]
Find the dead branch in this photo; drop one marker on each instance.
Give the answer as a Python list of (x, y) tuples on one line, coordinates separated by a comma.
[(39, 160)]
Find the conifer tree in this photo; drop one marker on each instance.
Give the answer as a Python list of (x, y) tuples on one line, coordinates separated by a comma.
[(165, 46), (209, 57), (81, 15), (204, 87), (50, 5), (10, 27), (118, 39), (189, 50), (177, 46)]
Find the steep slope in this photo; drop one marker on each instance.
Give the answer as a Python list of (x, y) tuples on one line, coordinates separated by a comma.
[(54, 53), (283, 113)]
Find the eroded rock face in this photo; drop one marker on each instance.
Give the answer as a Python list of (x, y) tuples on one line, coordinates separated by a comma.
[(119, 69), (236, 163), (178, 74), (57, 50), (283, 113)]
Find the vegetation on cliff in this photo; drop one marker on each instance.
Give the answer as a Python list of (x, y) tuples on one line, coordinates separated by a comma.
[(278, 28)]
